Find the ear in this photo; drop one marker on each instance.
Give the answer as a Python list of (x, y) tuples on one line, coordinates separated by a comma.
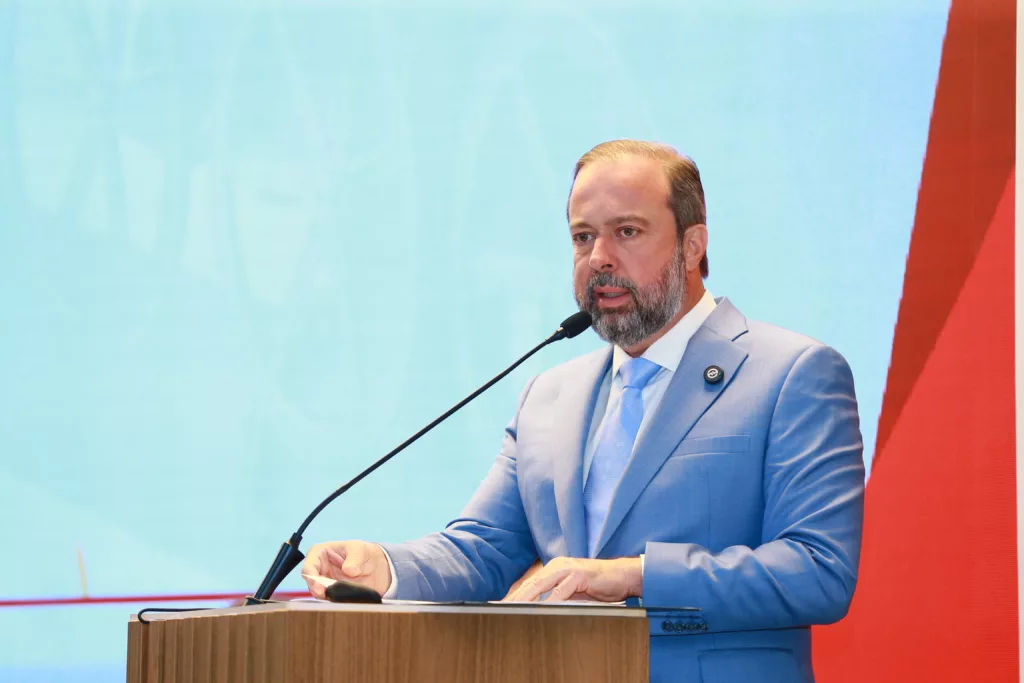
[(695, 245)]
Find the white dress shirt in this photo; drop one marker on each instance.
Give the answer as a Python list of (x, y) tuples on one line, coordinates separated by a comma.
[(666, 352)]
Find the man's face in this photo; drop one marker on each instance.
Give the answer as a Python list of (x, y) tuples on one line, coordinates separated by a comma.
[(628, 271)]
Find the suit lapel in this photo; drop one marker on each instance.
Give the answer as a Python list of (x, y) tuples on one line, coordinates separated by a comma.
[(687, 398), (571, 433)]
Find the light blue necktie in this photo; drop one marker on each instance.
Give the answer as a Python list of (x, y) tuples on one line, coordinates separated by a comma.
[(615, 446)]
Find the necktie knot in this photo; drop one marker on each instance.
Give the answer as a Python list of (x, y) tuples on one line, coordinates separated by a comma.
[(637, 372)]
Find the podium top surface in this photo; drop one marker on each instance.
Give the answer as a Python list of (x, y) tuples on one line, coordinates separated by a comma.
[(397, 606)]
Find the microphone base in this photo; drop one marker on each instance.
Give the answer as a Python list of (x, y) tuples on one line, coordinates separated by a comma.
[(251, 600)]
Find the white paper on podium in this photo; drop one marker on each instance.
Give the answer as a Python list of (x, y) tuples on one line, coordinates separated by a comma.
[(322, 580)]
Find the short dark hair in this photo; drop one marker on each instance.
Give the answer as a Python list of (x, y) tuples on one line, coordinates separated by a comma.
[(686, 194)]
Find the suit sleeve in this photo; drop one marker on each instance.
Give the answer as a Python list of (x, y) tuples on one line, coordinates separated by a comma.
[(805, 570), (479, 555)]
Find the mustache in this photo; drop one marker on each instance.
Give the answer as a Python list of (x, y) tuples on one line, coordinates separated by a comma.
[(608, 280)]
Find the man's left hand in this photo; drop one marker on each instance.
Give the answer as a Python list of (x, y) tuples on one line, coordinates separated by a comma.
[(573, 578)]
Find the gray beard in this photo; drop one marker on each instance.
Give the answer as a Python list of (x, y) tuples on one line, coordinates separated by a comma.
[(649, 311)]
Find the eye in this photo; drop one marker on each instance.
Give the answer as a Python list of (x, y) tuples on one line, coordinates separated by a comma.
[(628, 231), (581, 238)]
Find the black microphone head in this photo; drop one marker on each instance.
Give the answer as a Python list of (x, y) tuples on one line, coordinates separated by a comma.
[(575, 325)]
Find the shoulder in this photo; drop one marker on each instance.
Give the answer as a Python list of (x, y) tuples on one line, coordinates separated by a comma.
[(791, 354), (772, 350), (767, 338), (758, 339)]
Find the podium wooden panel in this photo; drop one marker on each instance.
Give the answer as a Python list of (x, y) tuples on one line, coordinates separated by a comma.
[(309, 642)]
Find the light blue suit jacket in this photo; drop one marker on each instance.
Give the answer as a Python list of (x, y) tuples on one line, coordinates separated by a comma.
[(745, 496)]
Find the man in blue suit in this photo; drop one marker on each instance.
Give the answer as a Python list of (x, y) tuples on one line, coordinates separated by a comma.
[(702, 459)]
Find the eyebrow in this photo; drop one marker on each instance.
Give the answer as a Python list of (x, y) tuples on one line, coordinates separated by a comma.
[(617, 220), (628, 218)]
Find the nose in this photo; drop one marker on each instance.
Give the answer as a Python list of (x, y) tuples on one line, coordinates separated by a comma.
[(602, 256)]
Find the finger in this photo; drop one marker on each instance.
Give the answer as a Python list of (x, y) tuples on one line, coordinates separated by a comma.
[(316, 589), (544, 581), (565, 589), (518, 593), (355, 561), (311, 565), (323, 561), (320, 558), (514, 592), (332, 561)]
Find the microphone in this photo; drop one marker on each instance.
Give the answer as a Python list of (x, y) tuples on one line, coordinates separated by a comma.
[(289, 556)]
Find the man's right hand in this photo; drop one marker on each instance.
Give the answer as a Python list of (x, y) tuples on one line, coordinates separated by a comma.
[(357, 561)]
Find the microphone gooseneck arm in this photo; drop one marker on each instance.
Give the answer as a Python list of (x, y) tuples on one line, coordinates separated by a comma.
[(289, 556)]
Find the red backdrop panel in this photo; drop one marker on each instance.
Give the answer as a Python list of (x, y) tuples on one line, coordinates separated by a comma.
[(937, 598)]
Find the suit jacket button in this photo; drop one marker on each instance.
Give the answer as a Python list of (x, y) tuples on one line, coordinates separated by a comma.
[(678, 627), (666, 626)]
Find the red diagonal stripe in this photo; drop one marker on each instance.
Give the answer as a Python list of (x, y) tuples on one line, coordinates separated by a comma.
[(969, 156)]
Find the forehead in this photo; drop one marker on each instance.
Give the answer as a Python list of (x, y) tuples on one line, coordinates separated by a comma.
[(626, 184)]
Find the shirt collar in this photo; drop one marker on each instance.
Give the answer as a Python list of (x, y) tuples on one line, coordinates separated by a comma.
[(668, 351)]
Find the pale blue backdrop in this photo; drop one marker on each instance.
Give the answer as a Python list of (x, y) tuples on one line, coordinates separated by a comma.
[(247, 247)]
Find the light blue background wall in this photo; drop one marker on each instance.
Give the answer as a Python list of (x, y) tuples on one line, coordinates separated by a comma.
[(247, 247)]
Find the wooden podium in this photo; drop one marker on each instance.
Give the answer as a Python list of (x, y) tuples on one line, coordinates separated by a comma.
[(318, 642)]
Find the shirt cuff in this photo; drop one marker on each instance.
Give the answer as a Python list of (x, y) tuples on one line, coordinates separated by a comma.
[(641, 578), (393, 589)]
